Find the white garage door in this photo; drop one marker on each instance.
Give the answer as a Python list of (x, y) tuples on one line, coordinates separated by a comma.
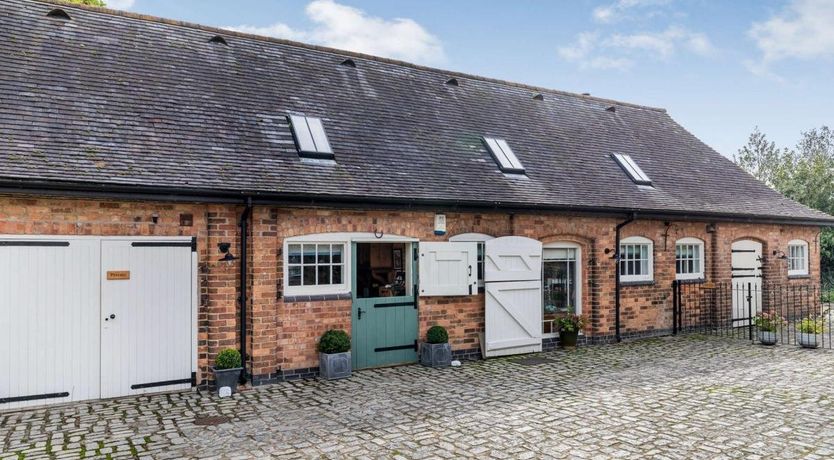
[(85, 318)]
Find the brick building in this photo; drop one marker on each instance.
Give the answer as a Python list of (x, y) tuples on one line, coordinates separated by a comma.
[(208, 189)]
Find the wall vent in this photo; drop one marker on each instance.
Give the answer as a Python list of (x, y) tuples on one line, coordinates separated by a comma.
[(348, 63), (612, 109), (218, 39), (452, 82), (58, 13), (539, 97)]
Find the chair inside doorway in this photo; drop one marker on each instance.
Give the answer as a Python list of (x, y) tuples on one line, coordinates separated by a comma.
[(381, 271)]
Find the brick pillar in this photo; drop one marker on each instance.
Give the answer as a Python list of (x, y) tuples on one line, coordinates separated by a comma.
[(265, 277)]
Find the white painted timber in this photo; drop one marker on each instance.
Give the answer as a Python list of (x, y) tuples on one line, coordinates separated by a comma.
[(448, 268), (747, 280), (513, 285)]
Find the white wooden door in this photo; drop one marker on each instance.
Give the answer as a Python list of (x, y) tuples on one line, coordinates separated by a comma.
[(49, 320), (146, 316), (747, 280), (512, 279), (448, 268)]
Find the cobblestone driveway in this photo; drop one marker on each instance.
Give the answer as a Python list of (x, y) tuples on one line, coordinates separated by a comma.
[(689, 397)]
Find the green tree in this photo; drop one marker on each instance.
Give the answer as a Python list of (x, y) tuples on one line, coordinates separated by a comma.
[(89, 2), (804, 174)]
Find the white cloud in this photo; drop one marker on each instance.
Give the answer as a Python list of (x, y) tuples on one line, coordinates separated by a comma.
[(802, 31), (345, 27), (120, 4), (620, 9), (591, 50)]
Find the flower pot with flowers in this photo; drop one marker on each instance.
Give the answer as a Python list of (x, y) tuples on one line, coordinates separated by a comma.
[(569, 327), (768, 325), (810, 332)]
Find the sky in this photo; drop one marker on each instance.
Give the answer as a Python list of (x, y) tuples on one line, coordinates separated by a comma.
[(720, 68)]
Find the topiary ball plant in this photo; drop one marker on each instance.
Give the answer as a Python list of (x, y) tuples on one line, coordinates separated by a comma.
[(227, 359), (334, 341), (437, 334)]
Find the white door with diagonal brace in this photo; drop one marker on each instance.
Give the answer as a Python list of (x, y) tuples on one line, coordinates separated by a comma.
[(512, 280)]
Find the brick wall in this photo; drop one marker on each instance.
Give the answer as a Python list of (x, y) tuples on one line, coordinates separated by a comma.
[(283, 335)]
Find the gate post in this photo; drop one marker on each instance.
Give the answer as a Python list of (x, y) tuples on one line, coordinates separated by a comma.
[(675, 307), (750, 310)]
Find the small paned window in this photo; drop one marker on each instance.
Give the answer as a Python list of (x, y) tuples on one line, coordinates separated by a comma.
[(636, 259), (689, 259), (315, 264), (797, 258)]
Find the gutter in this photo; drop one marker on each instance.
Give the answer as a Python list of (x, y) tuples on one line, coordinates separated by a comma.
[(244, 267), (617, 255), (170, 194)]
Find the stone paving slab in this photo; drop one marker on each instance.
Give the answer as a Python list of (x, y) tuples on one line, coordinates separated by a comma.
[(690, 397)]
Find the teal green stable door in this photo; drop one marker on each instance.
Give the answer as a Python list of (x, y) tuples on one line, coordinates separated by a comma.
[(384, 326)]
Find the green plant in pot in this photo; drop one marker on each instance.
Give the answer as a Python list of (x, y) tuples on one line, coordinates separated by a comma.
[(334, 355), (809, 332), (569, 327), (768, 325), (436, 351), (227, 368)]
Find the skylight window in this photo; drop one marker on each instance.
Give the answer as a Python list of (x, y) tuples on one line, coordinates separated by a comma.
[(310, 137), (504, 155), (630, 167)]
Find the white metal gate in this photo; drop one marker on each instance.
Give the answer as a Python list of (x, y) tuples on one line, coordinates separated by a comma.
[(512, 280), (56, 329), (746, 264)]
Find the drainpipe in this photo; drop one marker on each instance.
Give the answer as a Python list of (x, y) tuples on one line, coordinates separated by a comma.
[(617, 276), (244, 237)]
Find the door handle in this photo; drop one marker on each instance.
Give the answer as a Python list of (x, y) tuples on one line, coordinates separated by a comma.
[(112, 316), (359, 311), (470, 271)]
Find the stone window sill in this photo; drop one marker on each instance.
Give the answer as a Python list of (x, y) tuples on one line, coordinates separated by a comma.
[(316, 297)]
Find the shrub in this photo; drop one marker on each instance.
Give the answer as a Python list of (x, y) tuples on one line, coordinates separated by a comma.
[(437, 334), (811, 325), (768, 322), (334, 341), (571, 323), (228, 359)]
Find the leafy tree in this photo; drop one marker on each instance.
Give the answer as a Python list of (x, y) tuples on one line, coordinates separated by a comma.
[(804, 174), (90, 2)]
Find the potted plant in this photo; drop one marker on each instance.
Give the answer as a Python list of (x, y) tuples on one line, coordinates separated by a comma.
[(569, 327), (810, 332), (227, 369), (436, 351), (768, 324), (334, 355)]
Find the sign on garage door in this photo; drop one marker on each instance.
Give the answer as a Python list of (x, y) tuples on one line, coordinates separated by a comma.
[(69, 333)]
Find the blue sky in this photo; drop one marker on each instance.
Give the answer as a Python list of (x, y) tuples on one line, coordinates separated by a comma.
[(719, 67)]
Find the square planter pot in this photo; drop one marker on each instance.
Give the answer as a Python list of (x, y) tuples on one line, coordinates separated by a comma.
[(767, 337), (436, 354), (807, 340), (568, 339), (335, 365), (227, 378)]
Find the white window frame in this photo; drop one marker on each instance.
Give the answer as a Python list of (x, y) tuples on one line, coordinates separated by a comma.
[(637, 240), (803, 271), (689, 241), (481, 239), (346, 238), (578, 282)]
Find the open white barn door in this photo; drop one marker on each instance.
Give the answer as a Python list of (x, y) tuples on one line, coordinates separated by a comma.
[(512, 279)]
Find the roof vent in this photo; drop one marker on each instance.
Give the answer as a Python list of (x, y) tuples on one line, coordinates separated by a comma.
[(539, 97), (349, 63), (586, 94), (218, 39), (58, 14), (611, 109), (452, 82)]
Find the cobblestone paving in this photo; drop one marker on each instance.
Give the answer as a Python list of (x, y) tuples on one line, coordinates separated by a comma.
[(687, 397)]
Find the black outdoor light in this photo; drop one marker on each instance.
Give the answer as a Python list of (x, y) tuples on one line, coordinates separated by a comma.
[(224, 249)]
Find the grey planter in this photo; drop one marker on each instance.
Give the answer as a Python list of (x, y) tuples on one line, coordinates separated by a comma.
[(767, 337), (436, 354), (226, 378), (335, 365), (807, 340)]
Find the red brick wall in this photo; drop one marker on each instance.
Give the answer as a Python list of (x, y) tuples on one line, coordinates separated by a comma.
[(283, 335)]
